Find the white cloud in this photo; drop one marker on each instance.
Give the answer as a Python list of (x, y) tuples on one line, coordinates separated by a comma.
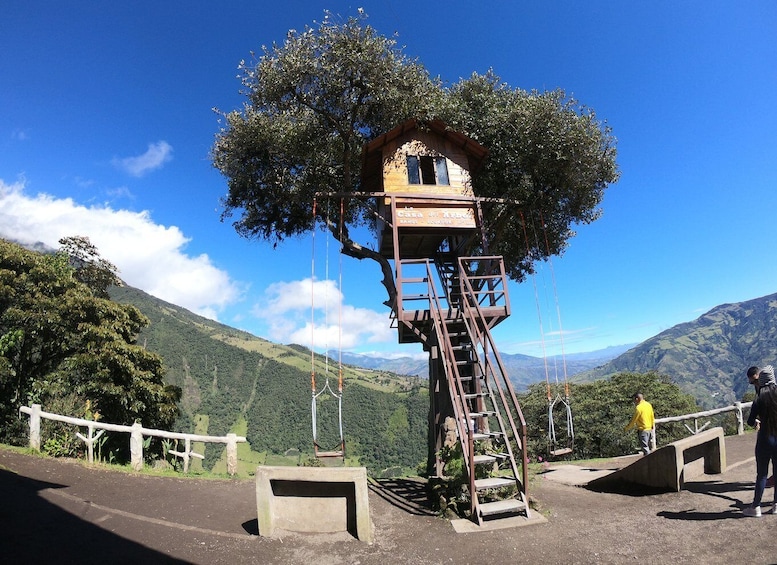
[(157, 155), (306, 311), (149, 256), (120, 192)]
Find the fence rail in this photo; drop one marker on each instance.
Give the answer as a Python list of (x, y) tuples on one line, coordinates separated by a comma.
[(137, 432), (737, 407)]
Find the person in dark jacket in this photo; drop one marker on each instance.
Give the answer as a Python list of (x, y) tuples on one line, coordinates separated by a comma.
[(763, 415), (752, 378)]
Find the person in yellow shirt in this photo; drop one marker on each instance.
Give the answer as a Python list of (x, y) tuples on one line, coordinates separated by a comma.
[(644, 420)]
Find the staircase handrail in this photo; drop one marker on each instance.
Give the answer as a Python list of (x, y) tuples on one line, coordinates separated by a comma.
[(460, 409), (472, 312)]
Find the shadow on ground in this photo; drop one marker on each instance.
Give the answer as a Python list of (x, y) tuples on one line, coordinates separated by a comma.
[(36, 531), (405, 494)]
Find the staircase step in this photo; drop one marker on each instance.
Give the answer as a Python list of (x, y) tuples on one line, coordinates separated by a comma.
[(486, 435), (484, 414), (494, 482), (482, 459), (472, 395), (501, 507)]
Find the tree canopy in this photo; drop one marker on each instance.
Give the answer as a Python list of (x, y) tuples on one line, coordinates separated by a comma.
[(61, 339), (314, 101)]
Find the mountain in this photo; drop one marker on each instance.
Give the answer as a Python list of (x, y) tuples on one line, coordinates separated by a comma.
[(231, 378), (707, 357), (523, 369)]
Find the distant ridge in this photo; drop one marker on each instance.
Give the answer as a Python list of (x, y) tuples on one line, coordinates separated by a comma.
[(707, 357), (524, 370)]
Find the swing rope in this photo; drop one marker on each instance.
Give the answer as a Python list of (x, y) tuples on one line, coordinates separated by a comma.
[(566, 401), (340, 332), (327, 388), (552, 401)]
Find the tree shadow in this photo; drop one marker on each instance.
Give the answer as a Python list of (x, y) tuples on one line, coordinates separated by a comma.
[(405, 494), (37, 531)]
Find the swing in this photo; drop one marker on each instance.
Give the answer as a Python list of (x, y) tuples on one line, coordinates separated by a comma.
[(555, 448), (326, 390)]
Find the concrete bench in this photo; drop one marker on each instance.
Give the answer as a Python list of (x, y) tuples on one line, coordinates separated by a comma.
[(670, 466), (313, 499)]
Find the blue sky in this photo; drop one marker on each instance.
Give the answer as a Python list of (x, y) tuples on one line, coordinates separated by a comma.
[(106, 123)]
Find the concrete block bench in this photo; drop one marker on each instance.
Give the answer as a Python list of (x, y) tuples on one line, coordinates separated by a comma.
[(668, 467), (313, 499)]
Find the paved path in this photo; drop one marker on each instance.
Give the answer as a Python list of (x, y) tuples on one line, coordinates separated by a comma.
[(64, 512)]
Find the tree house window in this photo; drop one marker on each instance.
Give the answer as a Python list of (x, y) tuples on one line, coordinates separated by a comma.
[(427, 170)]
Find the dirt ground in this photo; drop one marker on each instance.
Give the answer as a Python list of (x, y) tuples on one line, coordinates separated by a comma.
[(63, 511)]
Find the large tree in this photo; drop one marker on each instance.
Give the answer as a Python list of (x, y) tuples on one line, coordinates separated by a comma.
[(314, 101), (60, 338)]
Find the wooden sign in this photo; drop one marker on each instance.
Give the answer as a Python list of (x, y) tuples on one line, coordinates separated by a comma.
[(435, 216)]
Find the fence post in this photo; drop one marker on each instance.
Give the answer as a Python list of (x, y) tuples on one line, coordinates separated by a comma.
[(136, 447), (231, 454), (186, 451), (35, 427), (740, 420)]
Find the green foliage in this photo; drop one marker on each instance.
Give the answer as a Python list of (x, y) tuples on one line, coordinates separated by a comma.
[(600, 411), (546, 152), (60, 339), (89, 268), (57, 438), (314, 102)]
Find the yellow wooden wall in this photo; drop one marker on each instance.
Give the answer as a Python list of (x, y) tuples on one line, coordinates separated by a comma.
[(426, 144)]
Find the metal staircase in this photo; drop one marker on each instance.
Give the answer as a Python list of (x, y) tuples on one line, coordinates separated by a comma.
[(466, 298)]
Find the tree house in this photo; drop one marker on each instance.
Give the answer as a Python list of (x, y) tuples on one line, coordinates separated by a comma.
[(449, 295), (426, 175)]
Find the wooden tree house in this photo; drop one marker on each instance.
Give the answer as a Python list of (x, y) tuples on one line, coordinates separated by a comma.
[(449, 296)]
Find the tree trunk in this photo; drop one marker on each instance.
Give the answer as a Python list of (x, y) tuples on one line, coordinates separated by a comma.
[(357, 251)]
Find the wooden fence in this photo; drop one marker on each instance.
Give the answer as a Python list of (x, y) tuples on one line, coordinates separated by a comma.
[(137, 432), (737, 407)]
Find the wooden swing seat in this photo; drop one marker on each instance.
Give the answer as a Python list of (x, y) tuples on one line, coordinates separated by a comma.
[(329, 454)]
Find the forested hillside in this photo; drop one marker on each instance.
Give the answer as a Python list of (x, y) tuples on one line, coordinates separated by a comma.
[(707, 357), (228, 375)]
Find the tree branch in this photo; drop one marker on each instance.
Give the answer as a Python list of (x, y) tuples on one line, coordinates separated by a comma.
[(357, 251)]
